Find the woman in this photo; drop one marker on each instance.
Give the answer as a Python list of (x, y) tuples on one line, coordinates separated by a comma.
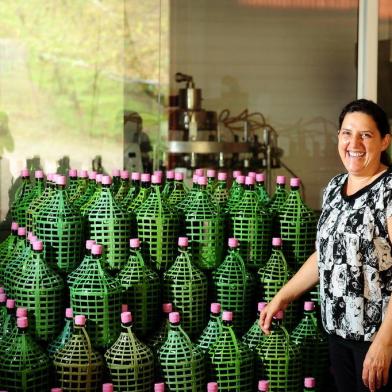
[(353, 260)]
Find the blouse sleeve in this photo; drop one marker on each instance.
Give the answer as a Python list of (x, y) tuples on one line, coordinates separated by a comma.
[(388, 197)]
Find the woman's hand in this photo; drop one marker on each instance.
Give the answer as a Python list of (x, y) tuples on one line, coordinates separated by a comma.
[(277, 303), (376, 365)]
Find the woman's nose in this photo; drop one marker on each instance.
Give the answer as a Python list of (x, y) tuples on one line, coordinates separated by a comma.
[(355, 141)]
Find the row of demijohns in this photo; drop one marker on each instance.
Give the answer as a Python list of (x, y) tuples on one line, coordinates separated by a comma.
[(103, 280)]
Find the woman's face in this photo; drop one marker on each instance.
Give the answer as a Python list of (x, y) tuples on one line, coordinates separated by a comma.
[(360, 144)]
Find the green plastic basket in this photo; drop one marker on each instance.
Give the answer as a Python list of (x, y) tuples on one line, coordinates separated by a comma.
[(132, 191), (73, 183), (252, 226), (235, 194), (261, 191), (298, 224), (64, 336), (80, 201), (142, 195), (90, 203), (221, 193), (213, 330), (205, 229), (254, 336), (84, 267), (130, 362), (179, 192), (41, 291), (185, 286), (110, 225), (8, 327), (78, 366), (81, 186), (235, 287), (24, 365), (124, 187), (232, 363), (278, 360), (189, 197), (23, 197), (141, 291), (97, 295), (181, 363), (158, 227), (35, 198), (169, 184), (8, 246), (280, 195)]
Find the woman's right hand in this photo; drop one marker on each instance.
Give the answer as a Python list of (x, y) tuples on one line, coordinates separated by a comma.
[(266, 315)]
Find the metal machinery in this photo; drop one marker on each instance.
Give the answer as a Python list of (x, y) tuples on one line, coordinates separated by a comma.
[(200, 138)]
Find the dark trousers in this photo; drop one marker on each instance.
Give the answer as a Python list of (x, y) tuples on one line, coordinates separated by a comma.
[(347, 362)]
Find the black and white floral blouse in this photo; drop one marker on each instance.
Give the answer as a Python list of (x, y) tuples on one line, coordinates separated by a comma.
[(355, 261)]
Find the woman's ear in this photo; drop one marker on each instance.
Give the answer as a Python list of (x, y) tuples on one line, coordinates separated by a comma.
[(386, 141)]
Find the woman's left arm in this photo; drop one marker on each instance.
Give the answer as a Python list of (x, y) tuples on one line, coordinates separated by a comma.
[(379, 356)]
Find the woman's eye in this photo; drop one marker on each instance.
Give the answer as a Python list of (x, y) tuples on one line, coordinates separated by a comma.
[(366, 135)]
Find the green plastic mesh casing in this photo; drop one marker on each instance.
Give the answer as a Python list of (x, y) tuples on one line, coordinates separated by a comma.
[(35, 199), (87, 194), (178, 194), (141, 292), (278, 198), (205, 229), (189, 197), (90, 203), (6, 249), (298, 225), (211, 333), (23, 197), (116, 183), (81, 188), (78, 367), (279, 361), (132, 192), (140, 198), (3, 315), (232, 363), (235, 287), (110, 226), (98, 296), (221, 194), (253, 337), (158, 338), (131, 363), (60, 226), (72, 188), (185, 286), (40, 290), (34, 206), (158, 227), (24, 366), (84, 267), (262, 193), (313, 346), (122, 191), (167, 188), (8, 330), (62, 338), (252, 226), (235, 197), (182, 364)]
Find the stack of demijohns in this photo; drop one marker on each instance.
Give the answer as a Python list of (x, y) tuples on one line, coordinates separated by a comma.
[(78, 366), (141, 291), (65, 334), (234, 287), (60, 226), (213, 329), (40, 289), (23, 197), (278, 359), (109, 225), (158, 227), (97, 295), (181, 363), (185, 286), (231, 362), (130, 362), (252, 225)]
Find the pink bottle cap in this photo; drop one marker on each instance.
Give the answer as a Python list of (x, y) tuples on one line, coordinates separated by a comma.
[(240, 180), (145, 177), (310, 382), (56, 390), (233, 243), (281, 180), (158, 173), (212, 387), (183, 241), (236, 173), (126, 317), (22, 322), (39, 174), (49, 177), (72, 173), (249, 181), (174, 317), (3, 298), (260, 177), (21, 231), (14, 226), (170, 174), (21, 312), (80, 320), (155, 179), (29, 235), (124, 308), (199, 172), (279, 315), (38, 245), (211, 173), (69, 313), (25, 173), (10, 304), (61, 180), (276, 241), (295, 182), (135, 176), (116, 173), (179, 176), (215, 307), (222, 176), (96, 249), (89, 244), (82, 174), (308, 306), (92, 175), (2, 290), (107, 387), (106, 180), (252, 174), (261, 306), (167, 308), (124, 174), (263, 386), (33, 239), (159, 387), (202, 181), (134, 243), (227, 316), (98, 178), (195, 179)]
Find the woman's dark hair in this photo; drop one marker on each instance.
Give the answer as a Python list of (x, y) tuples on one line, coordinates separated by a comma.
[(376, 113)]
